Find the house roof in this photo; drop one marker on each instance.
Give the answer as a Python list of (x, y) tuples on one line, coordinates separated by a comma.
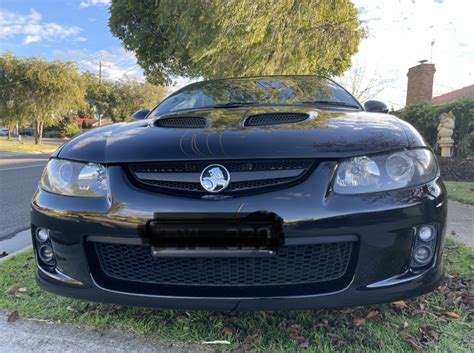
[(452, 96)]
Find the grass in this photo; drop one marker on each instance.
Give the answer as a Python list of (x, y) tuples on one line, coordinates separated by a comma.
[(439, 321), (460, 191), (26, 146)]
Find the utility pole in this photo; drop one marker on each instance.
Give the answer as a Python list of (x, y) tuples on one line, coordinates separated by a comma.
[(431, 53), (100, 68), (99, 113)]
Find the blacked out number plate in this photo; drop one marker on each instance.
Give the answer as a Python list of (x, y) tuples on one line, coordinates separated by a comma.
[(255, 231)]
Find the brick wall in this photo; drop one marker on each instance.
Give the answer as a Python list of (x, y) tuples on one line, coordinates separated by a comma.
[(420, 84)]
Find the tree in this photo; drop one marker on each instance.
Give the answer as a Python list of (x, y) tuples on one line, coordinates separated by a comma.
[(55, 88), (99, 96), (15, 105), (425, 118), (129, 95), (213, 38), (363, 85)]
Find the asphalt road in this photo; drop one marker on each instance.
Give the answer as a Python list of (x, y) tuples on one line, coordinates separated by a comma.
[(19, 175), (46, 140)]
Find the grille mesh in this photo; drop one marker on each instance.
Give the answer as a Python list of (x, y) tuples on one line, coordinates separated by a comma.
[(292, 265), (275, 119), (232, 167), (192, 122)]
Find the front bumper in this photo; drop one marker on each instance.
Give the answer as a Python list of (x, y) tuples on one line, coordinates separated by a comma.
[(383, 224)]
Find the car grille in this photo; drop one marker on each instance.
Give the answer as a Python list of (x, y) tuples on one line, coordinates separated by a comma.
[(184, 122), (246, 175), (292, 265), (275, 119)]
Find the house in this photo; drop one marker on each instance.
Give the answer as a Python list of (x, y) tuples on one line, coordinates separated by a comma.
[(420, 87), (452, 96)]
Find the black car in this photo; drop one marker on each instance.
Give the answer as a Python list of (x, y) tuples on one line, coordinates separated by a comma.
[(277, 192)]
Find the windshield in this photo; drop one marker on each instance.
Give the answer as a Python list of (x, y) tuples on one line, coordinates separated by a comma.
[(257, 90)]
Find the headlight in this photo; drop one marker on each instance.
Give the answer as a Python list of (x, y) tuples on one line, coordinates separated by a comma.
[(74, 179), (385, 172)]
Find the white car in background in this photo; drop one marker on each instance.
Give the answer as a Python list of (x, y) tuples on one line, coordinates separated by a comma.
[(3, 132)]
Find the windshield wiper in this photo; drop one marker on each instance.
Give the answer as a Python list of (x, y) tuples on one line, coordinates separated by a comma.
[(335, 103), (233, 104)]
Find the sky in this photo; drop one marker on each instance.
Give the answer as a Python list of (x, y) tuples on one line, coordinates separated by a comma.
[(399, 34)]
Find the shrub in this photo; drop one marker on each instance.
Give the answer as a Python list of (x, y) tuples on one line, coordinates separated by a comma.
[(51, 133), (71, 129), (466, 146), (425, 118)]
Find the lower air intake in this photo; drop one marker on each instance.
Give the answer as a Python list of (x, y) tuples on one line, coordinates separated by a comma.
[(292, 265)]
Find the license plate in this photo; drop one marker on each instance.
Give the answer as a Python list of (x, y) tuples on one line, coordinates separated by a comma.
[(256, 231)]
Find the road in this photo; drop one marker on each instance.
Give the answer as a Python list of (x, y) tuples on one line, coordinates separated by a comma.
[(46, 140), (19, 175)]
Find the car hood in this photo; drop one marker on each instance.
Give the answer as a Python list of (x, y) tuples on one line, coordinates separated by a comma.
[(327, 134)]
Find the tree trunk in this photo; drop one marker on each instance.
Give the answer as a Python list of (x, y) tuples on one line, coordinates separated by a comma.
[(39, 131), (9, 134)]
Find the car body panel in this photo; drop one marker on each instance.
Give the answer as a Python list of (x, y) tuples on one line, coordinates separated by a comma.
[(335, 134)]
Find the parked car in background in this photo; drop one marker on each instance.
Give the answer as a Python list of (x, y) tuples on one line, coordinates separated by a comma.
[(278, 192), (3, 132)]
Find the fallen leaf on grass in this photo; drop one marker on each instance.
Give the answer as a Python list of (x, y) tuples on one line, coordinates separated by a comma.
[(294, 332), (250, 339), (400, 304), (294, 326), (372, 314), (412, 341), (451, 314), (296, 336), (358, 321), (13, 290), (228, 331), (13, 316)]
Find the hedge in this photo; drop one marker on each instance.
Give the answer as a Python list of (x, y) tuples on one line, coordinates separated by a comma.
[(425, 118)]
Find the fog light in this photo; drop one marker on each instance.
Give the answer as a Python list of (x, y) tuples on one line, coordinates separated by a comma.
[(46, 254), (426, 233), (42, 235), (422, 254)]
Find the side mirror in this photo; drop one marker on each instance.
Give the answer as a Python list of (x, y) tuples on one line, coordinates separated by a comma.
[(140, 114), (376, 107)]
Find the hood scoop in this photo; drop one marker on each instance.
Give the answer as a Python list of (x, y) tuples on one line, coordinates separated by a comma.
[(182, 122), (275, 119)]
